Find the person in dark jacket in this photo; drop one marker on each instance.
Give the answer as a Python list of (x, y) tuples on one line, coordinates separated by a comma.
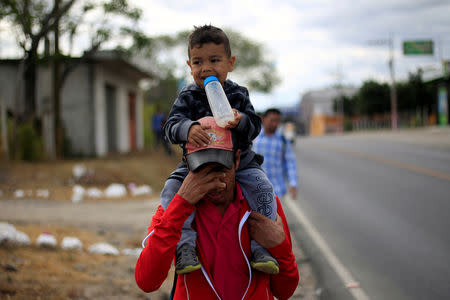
[(210, 55)]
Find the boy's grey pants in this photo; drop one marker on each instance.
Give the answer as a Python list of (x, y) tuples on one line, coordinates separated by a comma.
[(255, 186)]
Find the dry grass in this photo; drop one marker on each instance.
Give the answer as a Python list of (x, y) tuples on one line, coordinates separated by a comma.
[(60, 274), (150, 167), (56, 273)]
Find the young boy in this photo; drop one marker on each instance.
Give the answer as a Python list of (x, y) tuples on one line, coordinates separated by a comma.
[(210, 55)]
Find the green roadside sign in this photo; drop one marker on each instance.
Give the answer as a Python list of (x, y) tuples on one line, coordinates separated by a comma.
[(418, 48)]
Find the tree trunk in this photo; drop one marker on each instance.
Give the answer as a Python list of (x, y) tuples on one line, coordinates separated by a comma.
[(59, 133), (29, 111), (4, 125)]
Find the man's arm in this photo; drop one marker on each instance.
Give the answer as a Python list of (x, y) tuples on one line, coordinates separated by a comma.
[(165, 230), (275, 236), (155, 259)]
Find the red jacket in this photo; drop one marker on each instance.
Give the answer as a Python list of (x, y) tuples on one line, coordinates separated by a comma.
[(164, 233)]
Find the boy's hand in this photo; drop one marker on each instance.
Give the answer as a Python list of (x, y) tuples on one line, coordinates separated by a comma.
[(237, 119), (198, 136)]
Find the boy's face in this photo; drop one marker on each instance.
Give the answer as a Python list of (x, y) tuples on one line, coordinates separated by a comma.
[(210, 60)]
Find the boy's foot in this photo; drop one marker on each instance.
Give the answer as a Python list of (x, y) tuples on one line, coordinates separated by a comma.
[(187, 260), (264, 262)]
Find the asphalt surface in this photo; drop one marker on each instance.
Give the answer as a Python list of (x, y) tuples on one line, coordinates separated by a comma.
[(382, 204)]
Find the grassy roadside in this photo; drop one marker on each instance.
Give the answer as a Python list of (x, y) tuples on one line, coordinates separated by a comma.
[(30, 272), (149, 167)]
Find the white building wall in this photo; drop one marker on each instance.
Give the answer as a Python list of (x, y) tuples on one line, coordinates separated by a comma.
[(123, 125), (139, 120), (100, 113), (123, 88)]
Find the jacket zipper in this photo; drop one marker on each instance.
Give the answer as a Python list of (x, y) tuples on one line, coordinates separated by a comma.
[(241, 224), (185, 286)]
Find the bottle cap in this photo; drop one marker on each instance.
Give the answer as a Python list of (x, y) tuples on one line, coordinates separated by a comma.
[(209, 79)]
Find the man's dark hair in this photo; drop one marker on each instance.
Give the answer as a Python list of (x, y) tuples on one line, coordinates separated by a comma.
[(208, 34), (272, 111)]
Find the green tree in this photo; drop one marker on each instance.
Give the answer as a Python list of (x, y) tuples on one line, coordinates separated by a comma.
[(373, 98), (166, 57)]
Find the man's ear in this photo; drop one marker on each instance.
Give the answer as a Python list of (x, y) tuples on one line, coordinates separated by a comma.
[(185, 161)]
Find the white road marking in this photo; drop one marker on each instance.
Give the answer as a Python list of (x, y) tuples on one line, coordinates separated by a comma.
[(345, 275)]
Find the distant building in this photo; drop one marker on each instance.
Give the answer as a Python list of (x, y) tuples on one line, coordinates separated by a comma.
[(101, 103), (317, 115)]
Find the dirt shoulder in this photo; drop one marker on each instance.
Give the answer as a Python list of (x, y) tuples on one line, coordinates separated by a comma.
[(80, 275), (29, 272)]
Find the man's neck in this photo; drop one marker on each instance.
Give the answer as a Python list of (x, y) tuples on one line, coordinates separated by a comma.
[(222, 207)]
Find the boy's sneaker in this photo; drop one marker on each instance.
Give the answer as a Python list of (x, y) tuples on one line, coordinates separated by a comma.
[(187, 260), (264, 262)]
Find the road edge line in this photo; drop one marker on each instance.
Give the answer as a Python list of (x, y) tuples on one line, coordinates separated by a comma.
[(350, 283)]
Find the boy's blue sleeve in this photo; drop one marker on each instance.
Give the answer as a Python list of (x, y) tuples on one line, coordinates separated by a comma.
[(250, 123), (179, 121)]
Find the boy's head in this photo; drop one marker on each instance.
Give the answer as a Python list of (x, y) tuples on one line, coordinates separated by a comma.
[(209, 54)]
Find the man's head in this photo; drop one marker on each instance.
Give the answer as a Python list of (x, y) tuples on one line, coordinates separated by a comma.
[(209, 54), (271, 120), (220, 155)]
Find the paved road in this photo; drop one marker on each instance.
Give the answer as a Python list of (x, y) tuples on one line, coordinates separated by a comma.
[(382, 204)]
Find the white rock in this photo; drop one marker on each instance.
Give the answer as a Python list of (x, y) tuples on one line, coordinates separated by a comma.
[(71, 243), (78, 171), (77, 193), (132, 252), (94, 193), (103, 248), (9, 235), (46, 240), (19, 193), (22, 239), (42, 193), (115, 190), (141, 190), (7, 232), (6, 226)]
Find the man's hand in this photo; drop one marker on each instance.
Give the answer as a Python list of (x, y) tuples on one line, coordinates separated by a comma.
[(237, 119), (198, 136), (266, 232), (293, 192), (196, 185)]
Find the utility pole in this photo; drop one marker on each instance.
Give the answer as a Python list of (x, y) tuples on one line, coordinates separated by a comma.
[(339, 76), (390, 43), (394, 117)]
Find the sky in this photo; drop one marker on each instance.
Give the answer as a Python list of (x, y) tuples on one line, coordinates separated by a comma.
[(316, 44)]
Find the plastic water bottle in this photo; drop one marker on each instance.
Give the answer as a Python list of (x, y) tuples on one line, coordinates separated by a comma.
[(218, 101)]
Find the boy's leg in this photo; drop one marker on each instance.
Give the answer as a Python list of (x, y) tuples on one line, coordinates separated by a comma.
[(187, 260), (258, 191)]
